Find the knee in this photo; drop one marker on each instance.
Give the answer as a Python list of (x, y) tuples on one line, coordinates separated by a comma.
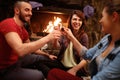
[(54, 71), (39, 76), (35, 75)]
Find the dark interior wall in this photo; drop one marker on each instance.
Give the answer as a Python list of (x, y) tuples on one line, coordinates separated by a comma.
[(6, 9), (6, 6)]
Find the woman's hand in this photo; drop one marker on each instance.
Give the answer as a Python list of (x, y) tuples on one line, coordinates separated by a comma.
[(67, 32), (72, 71), (52, 57), (76, 68)]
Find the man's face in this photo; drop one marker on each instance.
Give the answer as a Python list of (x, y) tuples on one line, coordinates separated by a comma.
[(25, 12)]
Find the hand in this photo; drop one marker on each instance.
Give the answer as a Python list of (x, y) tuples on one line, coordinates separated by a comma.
[(57, 27), (72, 71), (55, 34), (52, 57), (67, 32)]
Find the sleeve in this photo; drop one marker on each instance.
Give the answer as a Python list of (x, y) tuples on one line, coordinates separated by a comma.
[(84, 40), (7, 27), (88, 55), (111, 71)]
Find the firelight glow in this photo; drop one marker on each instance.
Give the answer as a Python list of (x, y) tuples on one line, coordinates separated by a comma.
[(50, 27)]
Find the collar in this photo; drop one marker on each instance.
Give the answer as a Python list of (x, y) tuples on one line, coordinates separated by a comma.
[(117, 43)]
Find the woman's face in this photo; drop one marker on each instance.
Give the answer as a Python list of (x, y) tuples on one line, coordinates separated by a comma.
[(76, 22), (106, 22)]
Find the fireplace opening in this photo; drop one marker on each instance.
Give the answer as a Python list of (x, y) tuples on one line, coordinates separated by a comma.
[(41, 19)]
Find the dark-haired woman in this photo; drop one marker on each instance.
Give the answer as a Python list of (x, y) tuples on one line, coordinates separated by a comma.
[(68, 57)]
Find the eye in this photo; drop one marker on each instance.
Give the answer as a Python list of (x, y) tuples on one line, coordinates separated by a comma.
[(27, 9), (80, 19), (74, 19)]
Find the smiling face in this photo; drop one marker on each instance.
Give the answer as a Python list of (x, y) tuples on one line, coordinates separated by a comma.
[(76, 22), (106, 22), (24, 11)]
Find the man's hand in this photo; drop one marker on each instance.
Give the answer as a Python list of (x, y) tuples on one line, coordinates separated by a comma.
[(55, 34)]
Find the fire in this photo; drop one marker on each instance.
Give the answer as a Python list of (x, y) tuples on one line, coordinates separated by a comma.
[(57, 21), (50, 27)]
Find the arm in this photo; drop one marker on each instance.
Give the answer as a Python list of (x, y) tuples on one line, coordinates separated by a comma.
[(40, 52), (52, 57), (76, 68), (84, 40), (82, 50), (77, 45), (21, 48)]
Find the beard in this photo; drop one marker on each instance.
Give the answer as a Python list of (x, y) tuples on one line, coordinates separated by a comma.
[(22, 18)]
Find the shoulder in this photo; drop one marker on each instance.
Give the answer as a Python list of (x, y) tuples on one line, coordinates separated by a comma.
[(105, 38), (6, 21), (85, 34), (7, 25)]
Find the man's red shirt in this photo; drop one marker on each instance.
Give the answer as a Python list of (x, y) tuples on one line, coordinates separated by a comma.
[(7, 55)]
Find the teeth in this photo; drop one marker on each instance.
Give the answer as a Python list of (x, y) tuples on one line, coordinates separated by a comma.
[(76, 25)]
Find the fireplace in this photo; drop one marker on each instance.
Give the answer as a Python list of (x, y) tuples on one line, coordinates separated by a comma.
[(40, 20)]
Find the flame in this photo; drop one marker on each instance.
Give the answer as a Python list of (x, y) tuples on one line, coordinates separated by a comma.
[(57, 21), (50, 27)]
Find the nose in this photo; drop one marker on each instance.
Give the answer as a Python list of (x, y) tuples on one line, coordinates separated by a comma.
[(30, 13), (77, 21)]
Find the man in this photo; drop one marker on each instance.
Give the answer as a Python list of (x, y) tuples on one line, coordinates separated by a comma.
[(15, 47)]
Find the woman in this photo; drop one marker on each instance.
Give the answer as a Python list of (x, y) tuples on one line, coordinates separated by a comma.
[(68, 56), (105, 56), (77, 25)]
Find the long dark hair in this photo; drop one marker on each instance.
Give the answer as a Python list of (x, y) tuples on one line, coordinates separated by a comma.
[(83, 26), (113, 6)]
